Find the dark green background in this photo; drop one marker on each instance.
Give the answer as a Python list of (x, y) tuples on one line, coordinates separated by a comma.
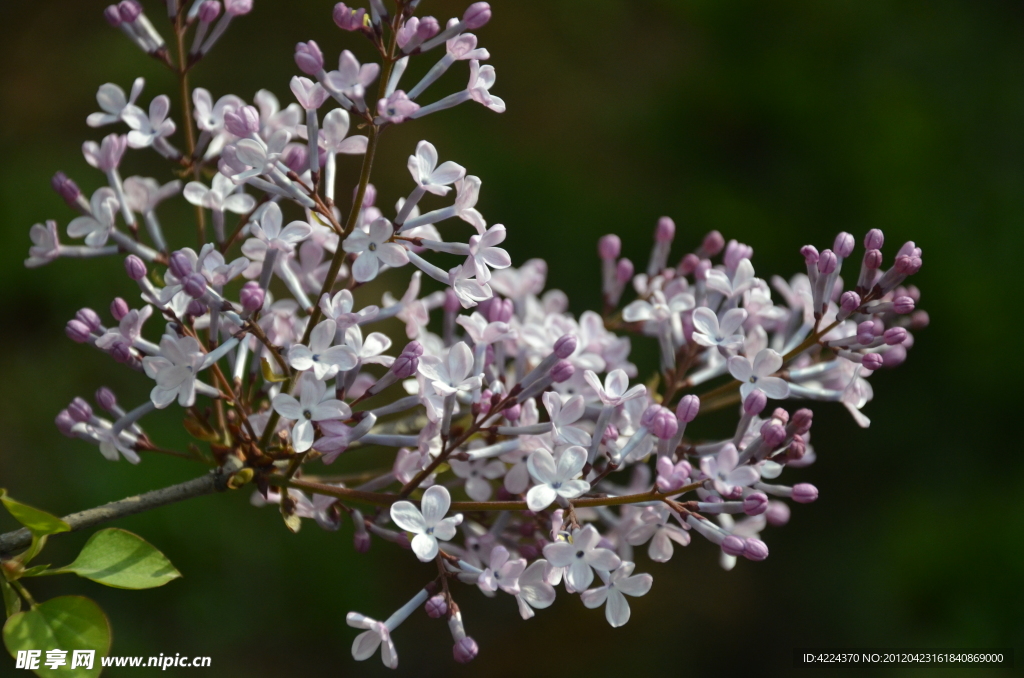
[(777, 123)]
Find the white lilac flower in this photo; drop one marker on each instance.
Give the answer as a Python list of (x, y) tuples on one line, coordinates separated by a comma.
[(477, 473), (320, 356), (428, 175), (556, 478), (484, 254), (742, 280), (481, 80), (128, 330), (468, 289), (217, 272), (618, 584), (728, 478), (334, 135), (147, 128), (534, 590), (580, 554), (757, 376), (427, 523), (562, 415), (97, 227), (174, 370), (222, 195), (339, 308), (113, 102), (467, 192), (376, 635), (268, 234), (708, 331), (45, 244), (260, 156), (655, 526), (451, 375), (373, 248), (613, 393), (314, 404), (369, 350), (482, 332), (657, 308), (502, 572), (351, 78)]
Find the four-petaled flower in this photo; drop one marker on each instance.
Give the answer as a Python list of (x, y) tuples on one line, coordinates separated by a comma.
[(220, 197), (314, 404), (268, 234), (112, 101), (742, 280), (579, 554), (656, 527), (450, 376), (477, 473), (97, 227), (534, 590), (481, 80), (325, 360), (484, 254), (502, 572), (174, 370), (373, 248), (614, 392), (427, 523), (612, 595), (426, 173), (555, 478), (564, 414), (376, 635), (708, 331), (728, 478), (756, 376)]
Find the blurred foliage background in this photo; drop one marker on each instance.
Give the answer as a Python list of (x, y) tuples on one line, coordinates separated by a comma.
[(777, 123)]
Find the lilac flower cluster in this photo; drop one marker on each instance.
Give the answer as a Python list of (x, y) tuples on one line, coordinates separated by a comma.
[(566, 462)]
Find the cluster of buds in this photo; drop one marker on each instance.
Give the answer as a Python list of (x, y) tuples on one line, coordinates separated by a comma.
[(519, 457)]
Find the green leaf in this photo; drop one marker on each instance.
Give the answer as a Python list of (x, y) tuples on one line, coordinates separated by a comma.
[(118, 558), (12, 601), (67, 623), (38, 522), (268, 372), (36, 571)]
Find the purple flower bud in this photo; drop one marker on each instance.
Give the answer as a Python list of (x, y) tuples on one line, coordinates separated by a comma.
[(65, 188), (665, 230), (797, 449), (873, 240), (827, 262), (309, 58), (243, 121), (80, 410), (252, 296), (499, 311), (476, 15), (237, 7), (562, 371), (802, 420), (451, 301), (112, 15), (804, 493), (195, 285), (121, 352), (105, 398), (64, 423), (865, 332), (843, 245), (773, 434), (810, 254), (296, 158), (428, 28), (565, 345), (436, 607), (849, 302), (777, 514), (90, 318), (611, 434), (689, 263), (872, 361), (781, 414), (135, 268), (129, 10), (701, 272), (195, 308), (513, 413), (735, 252), (659, 421), (609, 247), (687, 409), (405, 366), (903, 304), (733, 545), (466, 649), (209, 11), (349, 19), (77, 331), (623, 271), (180, 265), (894, 356), (755, 402), (919, 320), (755, 550), (755, 503), (873, 259), (713, 244), (910, 267), (895, 335), (413, 348), (119, 308), (361, 541)]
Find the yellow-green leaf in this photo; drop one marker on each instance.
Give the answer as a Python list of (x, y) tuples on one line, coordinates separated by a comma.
[(268, 372), (67, 623), (118, 558), (38, 522)]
